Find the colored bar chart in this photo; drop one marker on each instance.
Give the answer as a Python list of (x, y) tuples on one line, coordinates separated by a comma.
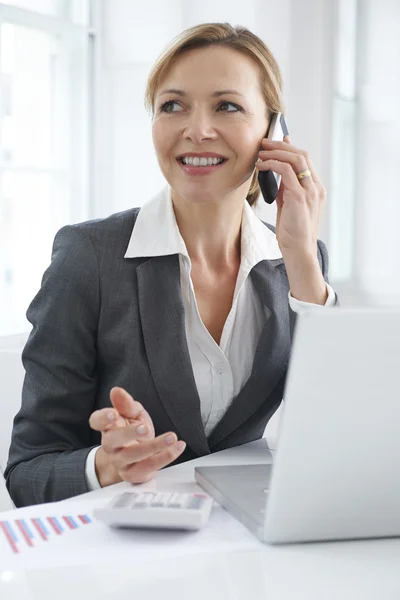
[(21, 534)]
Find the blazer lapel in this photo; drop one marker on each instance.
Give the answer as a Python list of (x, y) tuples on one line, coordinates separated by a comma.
[(272, 353), (163, 323)]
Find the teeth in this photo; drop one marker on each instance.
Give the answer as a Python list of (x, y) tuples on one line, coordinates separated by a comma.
[(202, 162)]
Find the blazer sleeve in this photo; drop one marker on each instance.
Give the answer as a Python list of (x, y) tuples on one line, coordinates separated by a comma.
[(51, 436), (323, 259)]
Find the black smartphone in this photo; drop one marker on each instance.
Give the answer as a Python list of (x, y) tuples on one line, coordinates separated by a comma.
[(268, 180)]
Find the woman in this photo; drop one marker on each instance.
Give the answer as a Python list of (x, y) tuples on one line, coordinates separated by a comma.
[(187, 305)]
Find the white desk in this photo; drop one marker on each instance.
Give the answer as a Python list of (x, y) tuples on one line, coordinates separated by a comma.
[(368, 570)]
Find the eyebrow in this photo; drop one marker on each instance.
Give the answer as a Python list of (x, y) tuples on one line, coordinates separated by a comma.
[(214, 94)]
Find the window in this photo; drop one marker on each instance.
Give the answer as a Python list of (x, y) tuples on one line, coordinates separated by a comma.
[(365, 207), (45, 57), (342, 202)]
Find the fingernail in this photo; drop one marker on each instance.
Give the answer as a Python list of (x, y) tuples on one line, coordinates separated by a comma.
[(180, 446), (170, 439), (141, 429), (111, 416)]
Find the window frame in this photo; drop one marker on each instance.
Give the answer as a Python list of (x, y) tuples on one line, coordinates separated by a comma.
[(80, 148), (58, 26)]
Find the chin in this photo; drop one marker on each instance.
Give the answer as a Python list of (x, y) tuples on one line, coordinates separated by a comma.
[(198, 198), (202, 194)]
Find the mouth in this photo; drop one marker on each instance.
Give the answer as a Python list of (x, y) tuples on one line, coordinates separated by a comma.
[(201, 165)]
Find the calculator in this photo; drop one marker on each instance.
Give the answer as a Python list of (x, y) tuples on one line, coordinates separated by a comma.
[(163, 510)]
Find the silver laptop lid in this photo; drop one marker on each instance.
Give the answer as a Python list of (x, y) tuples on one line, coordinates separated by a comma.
[(337, 465)]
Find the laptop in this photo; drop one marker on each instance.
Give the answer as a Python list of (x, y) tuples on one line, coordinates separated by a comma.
[(336, 470)]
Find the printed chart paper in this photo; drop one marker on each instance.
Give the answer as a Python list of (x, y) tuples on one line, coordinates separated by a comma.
[(28, 533), (66, 534)]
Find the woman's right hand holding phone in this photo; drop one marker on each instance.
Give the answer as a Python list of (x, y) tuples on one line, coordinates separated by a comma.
[(129, 450)]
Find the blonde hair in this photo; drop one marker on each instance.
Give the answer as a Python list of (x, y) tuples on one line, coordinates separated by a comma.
[(238, 38)]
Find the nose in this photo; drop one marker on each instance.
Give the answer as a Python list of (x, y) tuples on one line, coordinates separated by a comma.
[(199, 127)]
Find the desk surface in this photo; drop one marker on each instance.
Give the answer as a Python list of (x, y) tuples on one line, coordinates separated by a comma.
[(346, 570)]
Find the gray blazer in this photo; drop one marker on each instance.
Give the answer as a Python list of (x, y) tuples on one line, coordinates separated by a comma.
[(101, 320)]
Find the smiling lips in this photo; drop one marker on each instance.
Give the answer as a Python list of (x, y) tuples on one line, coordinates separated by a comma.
[(201, 163)]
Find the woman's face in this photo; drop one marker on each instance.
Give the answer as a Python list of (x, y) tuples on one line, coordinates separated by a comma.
[(216, 108)]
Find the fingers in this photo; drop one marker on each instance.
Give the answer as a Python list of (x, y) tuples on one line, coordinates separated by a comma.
[(124, 458), (145, 469), (128, 439), (285, 159), (288, 175), (125, 409), (288, 146), (309, 161), (116, 438), (100, 420), (297, 161), (125, 404)]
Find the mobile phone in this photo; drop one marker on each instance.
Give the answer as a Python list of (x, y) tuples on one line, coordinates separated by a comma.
[(268, 180)]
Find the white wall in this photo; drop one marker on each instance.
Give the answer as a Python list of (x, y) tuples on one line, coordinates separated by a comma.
[(300, 34)]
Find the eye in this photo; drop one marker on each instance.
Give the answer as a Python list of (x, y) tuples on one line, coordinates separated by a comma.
[(235, 106), (165, 107)]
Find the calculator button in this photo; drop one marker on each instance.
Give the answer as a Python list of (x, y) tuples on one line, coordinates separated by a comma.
[(125, 500), (160, 499), (179, 499), (143, 499)]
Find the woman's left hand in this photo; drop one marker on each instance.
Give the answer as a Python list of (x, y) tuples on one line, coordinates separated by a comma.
[(299, 203)]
